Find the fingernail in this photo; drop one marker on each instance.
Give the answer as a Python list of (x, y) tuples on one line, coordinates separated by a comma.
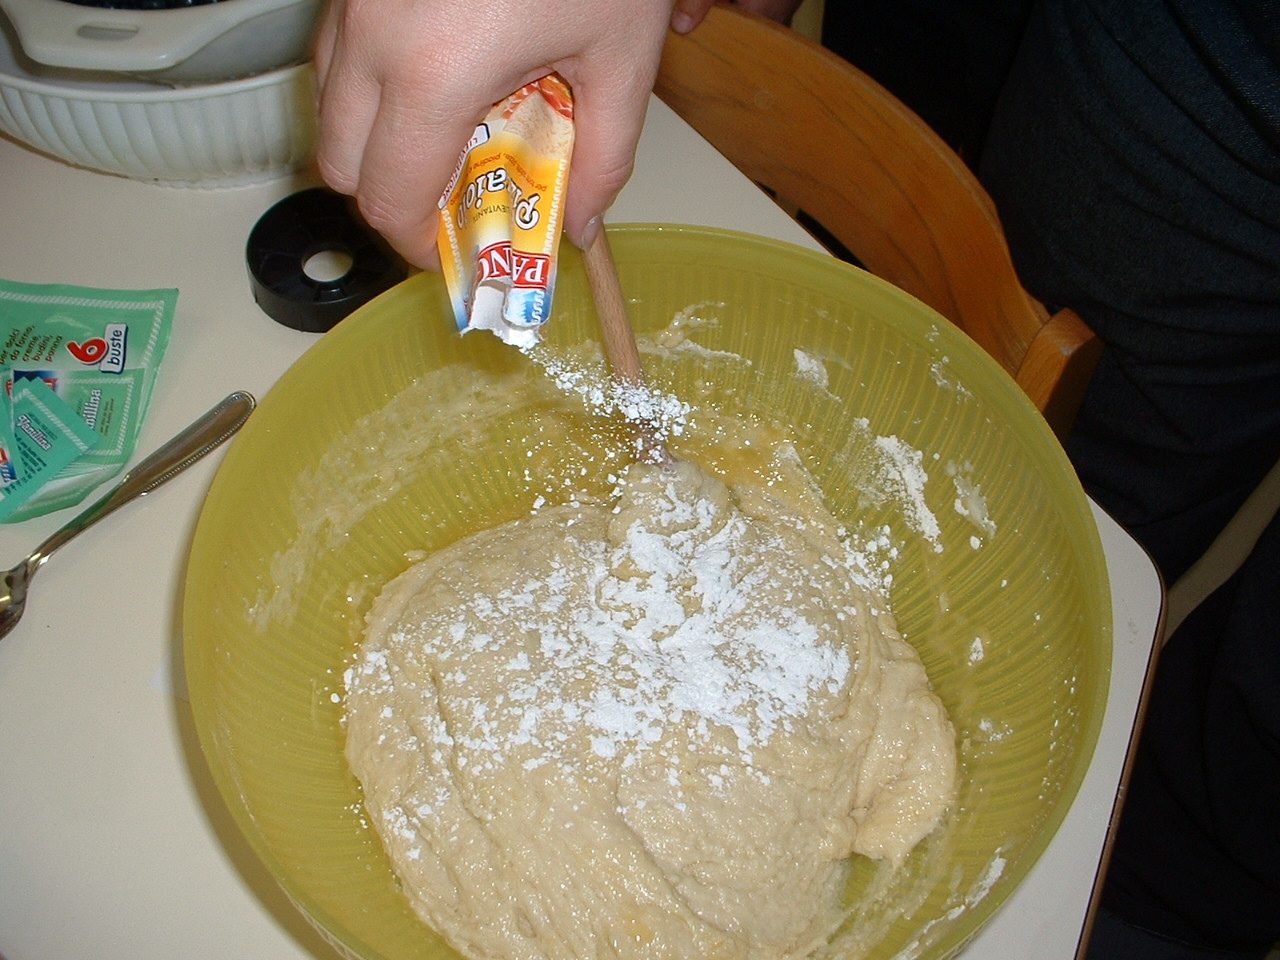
[(681, 22), (590, 232)]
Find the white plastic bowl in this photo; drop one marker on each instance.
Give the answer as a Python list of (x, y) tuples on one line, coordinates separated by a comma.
[(204, 43), (209, 135)]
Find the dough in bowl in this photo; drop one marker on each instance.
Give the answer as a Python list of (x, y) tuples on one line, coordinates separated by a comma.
[(654, 726)]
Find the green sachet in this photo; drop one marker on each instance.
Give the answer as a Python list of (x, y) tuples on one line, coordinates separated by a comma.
[(46, 435), (99, 350)]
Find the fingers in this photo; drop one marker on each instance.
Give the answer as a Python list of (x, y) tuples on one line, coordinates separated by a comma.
[(409, 155), (611, 93), (608, 116), (348, 107), (322, 43), (780, 10), (603, 155), (403, 84), (390, 127), (687, 14)]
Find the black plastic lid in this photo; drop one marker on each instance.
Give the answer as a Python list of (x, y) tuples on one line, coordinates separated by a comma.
[(293, 232)]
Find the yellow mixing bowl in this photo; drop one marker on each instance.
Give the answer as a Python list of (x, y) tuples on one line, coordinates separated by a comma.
[(347, 466)]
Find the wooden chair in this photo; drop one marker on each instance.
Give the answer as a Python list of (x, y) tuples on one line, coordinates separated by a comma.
[(824, 137)]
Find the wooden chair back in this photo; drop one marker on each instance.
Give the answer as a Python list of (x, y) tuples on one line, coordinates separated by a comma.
[(823, 137)]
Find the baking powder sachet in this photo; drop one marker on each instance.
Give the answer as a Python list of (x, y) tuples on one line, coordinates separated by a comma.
[(78, 366)]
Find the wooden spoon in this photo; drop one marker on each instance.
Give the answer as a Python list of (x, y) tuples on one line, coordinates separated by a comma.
[(620, 339)]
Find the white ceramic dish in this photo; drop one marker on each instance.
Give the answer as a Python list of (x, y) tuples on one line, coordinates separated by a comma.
[(210, 135), (196, 44)]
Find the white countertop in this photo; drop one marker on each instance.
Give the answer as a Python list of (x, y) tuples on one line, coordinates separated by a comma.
[(113, 841)]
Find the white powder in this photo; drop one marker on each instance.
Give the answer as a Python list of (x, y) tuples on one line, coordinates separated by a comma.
[(969, 502), (977, 651), (904, 474), (995, 869), (672, 636), (639, 404), (810, 368)]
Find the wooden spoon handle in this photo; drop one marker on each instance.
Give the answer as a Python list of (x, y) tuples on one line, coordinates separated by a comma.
[(611, 310), (619, 337)]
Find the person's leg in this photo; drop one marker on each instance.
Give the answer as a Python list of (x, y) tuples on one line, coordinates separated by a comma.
[(1113, 939), (1152, 207), (1197, 852)]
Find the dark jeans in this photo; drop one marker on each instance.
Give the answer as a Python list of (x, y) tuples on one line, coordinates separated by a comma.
[(1197, 851), (1115, 938), (1139, 185), (1134, 157)]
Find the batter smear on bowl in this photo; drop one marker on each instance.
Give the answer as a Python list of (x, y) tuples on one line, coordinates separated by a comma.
[(654, 726)]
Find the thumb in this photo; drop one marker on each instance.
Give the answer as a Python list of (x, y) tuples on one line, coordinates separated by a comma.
[(611, 95), (604, 150)]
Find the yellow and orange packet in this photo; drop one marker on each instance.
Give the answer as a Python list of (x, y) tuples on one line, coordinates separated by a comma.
[(500, 217)]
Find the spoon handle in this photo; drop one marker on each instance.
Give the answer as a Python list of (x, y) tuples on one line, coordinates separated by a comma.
[(168, 461), (611, 311), (619, 337)]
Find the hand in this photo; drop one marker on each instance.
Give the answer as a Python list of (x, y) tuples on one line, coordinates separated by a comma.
[(689, 13), (403, 84)]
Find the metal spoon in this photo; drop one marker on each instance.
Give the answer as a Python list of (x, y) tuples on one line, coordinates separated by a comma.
[(168, 461)]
